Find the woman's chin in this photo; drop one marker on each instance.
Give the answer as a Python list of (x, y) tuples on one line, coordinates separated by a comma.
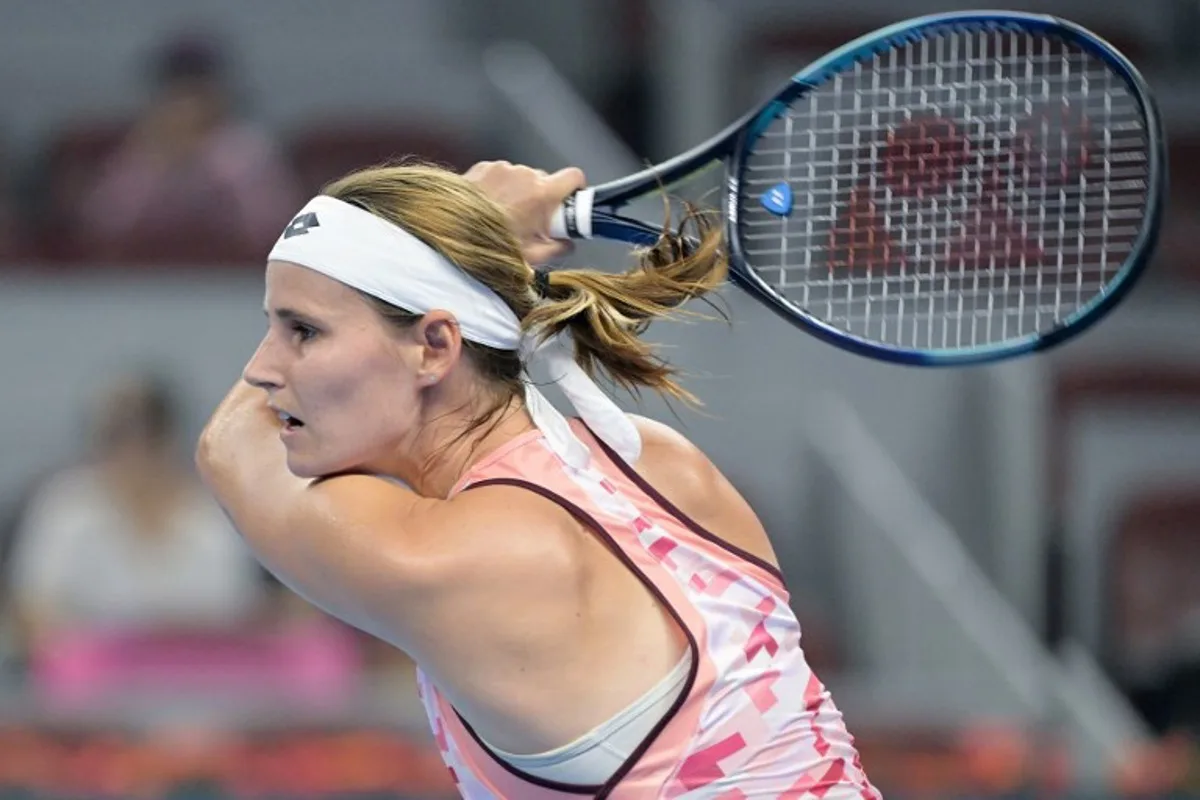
[(312, 468), (306, 467)]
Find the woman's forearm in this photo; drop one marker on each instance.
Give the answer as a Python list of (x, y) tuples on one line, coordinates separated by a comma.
[(343, 543), (241, 422), (240, 458), (244, 464)]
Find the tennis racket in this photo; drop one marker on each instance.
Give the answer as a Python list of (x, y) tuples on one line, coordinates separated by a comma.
[(954, 189)]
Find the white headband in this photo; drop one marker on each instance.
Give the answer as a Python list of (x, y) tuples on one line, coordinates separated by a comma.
[(365, 252)]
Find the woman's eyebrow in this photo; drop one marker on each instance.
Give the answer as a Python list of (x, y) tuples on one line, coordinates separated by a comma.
[(286, 314)]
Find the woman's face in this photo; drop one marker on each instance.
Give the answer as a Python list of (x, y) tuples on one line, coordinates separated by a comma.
[(346, 384)]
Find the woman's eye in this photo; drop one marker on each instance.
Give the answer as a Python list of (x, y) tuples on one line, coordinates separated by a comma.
[(303, 332)]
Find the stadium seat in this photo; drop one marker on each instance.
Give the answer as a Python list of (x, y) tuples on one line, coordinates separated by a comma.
[(1153, 564), (68, 164), (1177, 255), (1153, 603), (1139, 383)]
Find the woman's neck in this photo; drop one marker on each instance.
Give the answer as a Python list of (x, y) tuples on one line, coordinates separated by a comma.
[(444, 449)]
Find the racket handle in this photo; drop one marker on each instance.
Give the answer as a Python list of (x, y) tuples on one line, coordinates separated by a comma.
[(573, 219)]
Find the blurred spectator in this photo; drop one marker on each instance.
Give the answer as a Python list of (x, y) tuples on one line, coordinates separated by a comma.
[(129, 540), (191, 181)]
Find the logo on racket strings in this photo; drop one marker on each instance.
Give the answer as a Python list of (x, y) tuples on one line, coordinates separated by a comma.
[(778, 200)]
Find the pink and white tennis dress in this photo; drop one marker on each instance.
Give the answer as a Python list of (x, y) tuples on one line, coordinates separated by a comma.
[(752, 720)]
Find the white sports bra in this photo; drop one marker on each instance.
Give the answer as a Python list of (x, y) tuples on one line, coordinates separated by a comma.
[(592, 759)]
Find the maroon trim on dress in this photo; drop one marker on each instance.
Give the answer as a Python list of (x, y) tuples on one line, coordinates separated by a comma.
[(676, 512), (588, 521)]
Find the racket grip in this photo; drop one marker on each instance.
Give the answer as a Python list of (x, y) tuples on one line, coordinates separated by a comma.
[(573, 219)]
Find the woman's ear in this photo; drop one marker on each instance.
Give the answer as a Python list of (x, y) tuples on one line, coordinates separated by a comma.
[(441, 346)]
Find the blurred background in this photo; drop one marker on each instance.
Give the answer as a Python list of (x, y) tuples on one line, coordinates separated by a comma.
[(997, 569)]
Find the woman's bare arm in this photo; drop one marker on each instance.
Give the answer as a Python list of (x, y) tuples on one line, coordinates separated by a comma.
[(353, 545)]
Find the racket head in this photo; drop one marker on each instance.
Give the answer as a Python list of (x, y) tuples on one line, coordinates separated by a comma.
[(912, 233)]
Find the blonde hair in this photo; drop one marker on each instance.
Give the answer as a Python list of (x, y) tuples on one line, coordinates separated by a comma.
[(606, 313)]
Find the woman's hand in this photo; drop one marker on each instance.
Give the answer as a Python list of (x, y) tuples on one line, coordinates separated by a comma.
[(530, 196)]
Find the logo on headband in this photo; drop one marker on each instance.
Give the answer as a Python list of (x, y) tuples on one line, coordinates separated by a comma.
[(300, 225)]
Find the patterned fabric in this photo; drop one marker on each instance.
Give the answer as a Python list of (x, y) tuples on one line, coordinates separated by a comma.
[(755, 722)]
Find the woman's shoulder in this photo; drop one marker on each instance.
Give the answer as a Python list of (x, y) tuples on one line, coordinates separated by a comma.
[(664, 445)]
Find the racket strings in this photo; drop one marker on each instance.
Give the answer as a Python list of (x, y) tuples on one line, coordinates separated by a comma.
[(962, 190)]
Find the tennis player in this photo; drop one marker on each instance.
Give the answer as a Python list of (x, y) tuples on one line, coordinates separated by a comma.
[(593, 608)]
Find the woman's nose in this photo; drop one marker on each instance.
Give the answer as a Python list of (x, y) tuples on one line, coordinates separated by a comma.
[(261, 371)]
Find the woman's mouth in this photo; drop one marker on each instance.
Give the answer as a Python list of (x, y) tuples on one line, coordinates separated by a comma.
[(290, 423)]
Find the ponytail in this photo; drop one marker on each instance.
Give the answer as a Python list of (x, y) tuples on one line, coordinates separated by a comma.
[(606, 313)]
